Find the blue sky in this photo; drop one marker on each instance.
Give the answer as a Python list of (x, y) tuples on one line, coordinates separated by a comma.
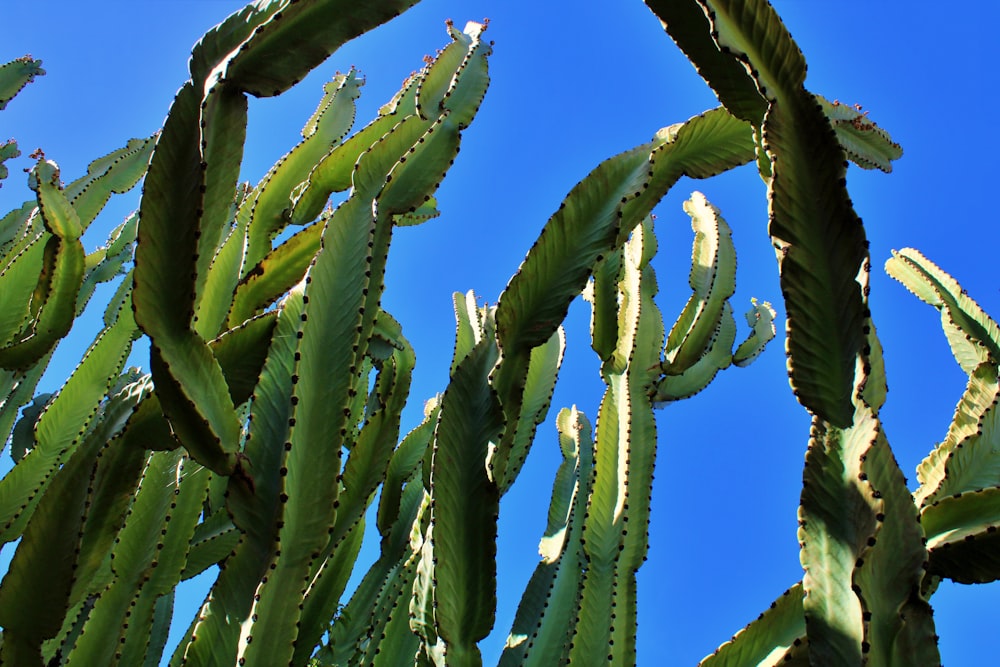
[(573, 83)]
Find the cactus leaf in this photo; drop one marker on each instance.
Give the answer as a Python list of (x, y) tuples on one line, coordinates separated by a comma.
[(767, 639), (15, 75), (973, 335)]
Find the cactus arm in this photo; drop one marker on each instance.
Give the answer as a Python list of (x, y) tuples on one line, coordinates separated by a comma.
[(64, 420), (599, 213), (114, 173), (981, 393), (387, 586), (899, 629), (20, 280), (166, 567), (8, 150), (961, 536), (819, 239), (973, 463), (35, 592), (761, 320), (543, 371), (866, 144), (701, 373), (61, 276), (325, 591), (276, 273), (327, 127), (264, 65), (224, 271), (713, 281), (973, 335), (404, 462), (190, 384), (836, 525), (139, 545), (217, 628), (550, 601), (15, 75), (686, 23), (365, 468), (106, 263), (464, 507), (213, 540), (767, 639), (16, 224)]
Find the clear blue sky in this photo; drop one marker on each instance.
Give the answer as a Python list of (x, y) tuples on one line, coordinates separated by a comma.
[(573, 83)]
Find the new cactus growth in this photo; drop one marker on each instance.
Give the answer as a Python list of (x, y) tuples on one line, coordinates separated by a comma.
[(264, 440)]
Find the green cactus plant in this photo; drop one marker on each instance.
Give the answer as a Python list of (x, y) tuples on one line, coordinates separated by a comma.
[(266, 436)]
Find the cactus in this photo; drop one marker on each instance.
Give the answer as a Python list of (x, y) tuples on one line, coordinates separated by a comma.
[(265, 437)]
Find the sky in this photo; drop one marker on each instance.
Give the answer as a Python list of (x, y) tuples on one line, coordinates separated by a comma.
[(572, 84)]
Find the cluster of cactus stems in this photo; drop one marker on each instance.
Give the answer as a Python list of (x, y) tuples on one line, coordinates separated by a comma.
[(269, 421)]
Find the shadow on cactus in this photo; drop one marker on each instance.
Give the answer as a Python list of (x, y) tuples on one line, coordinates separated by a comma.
[(266, 434)]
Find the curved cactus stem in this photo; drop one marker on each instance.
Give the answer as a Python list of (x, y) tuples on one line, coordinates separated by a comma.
[(761, 320), (768, 639), (270, 205), (551, 599), (61, 276), (899, 628), (837, 525), (973, 335), (262, 62), (713, 280), (866, 144), (46, 567), (115, 173), (464, 507), (961, 536), (190, 384), (62, 424), (981, 392), (686, 23), (358, 634), (820, 242), (17, 74)]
